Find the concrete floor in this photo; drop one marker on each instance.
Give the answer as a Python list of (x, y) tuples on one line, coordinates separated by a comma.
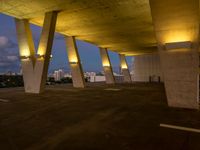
[(121, 117)]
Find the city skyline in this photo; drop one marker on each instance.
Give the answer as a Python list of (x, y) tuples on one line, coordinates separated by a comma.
[(9, 59)]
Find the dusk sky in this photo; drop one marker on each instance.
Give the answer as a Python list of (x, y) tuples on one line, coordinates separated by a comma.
[(9, 53)]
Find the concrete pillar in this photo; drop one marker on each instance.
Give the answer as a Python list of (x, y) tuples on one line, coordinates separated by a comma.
[(35, 66), (75, 63), (124, 68), (178, 44), (181, 77), (146, 68), (107, 66)]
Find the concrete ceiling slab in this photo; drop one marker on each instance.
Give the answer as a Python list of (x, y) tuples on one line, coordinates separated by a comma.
[(124, 26)]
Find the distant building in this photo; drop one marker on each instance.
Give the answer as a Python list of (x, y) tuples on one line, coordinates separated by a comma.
[(88, 74), (100, 77), (67, 75), (97, 78), (94, 77), (58, 74)]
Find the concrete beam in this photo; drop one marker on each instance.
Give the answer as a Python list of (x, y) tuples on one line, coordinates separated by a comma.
[(75, 63), (178, 44), (107, 66), (35, 66), (124, 68)]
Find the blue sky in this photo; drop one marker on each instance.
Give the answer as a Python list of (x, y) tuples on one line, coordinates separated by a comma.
[(9, 53)]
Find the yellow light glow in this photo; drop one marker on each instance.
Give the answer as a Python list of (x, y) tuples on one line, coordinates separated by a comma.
[(124, 66), (73, 60), (25, 52), (106, 64), (40, 53), (177, 36), (41, 50), (179, 50)]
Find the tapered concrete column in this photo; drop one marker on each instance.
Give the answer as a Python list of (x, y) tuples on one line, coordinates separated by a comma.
[(107, 66), (178, 44), (124, 68), (75, 63), (181, 76), (35, 66)]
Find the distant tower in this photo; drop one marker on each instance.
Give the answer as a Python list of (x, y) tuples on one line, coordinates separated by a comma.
[(58, 74)]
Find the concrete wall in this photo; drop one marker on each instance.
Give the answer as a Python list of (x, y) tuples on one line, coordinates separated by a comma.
[(118, 79), (145, 66), (177, 36), (97, 78)]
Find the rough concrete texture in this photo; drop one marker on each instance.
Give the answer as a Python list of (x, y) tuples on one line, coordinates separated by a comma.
[(175, 20), (126, 75), (75, 63), (180, 65), (146, 66), (35, 68), (121, 25), (124, 68), (121, 117), (181, 78), (107, 68)]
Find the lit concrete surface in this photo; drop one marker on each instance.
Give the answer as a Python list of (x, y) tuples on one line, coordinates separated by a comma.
[(107, 67), (75, 62), (179, 63), (122, 26), (124, 68), (181, 78), (146, 66), (94, 118), (130, 27), (35, 68)]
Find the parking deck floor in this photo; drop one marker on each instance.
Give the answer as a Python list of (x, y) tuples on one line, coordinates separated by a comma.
[(99, 117)]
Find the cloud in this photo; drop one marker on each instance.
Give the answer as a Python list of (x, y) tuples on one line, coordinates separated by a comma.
[(3, 41), (9, 56), (12, 58), (6, 43)]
